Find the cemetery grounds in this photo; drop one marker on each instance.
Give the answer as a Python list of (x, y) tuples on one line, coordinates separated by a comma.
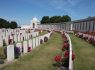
[(41, 58)]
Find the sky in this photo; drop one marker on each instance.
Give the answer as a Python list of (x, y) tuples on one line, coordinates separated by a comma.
[(22, 11)]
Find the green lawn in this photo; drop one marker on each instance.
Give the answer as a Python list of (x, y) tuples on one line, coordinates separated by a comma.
[(85, 54), (41, 58)]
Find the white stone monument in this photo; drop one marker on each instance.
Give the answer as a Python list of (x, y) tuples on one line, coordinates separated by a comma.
[(37, 41), (34, 23), (10, 53), (1, 41), (25, 46), (33, 42), (30, 43)]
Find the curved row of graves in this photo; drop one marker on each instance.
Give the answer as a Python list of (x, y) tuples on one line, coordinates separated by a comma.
[(65, 60), (22, 44), (90, 38)]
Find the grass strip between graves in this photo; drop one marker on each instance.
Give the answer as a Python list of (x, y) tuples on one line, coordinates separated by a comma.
[(41, 58), (85, 54)]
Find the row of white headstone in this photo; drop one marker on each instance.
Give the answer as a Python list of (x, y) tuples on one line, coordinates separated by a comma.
[(33, 43), (87, 35), (15, 35)]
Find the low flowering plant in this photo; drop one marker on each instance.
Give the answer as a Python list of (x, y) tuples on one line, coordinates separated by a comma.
[(58, 60), (81, 36), (29, 49), (41, 41), (85, 38), (73, 56), (66, 55), (66, 46), (65, 38), (66, 41), (17, 52), (10, 41), (91, 40), (45, 39)]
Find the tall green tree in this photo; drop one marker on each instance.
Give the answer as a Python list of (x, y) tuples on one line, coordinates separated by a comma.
[(65, 18), (45, 19), (2, 23), (13, 24), (55, 19), (6, 25)]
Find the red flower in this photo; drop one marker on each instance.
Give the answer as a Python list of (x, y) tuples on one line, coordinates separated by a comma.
[(66, 45), (65, 37), (73, 55), (29, 49), (58, 58), (66, 54)]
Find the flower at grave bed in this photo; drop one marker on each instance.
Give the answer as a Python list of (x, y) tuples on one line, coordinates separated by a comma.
[(10, 41), (66, 54), (29, 49), (58, 58), (45, 39), (41, 41), (66, 41), (81, 36), (65, 38), (66, 46), (90, 40), (73, 56), (17, 52), (77, 34), (85, 38), (63, 35)]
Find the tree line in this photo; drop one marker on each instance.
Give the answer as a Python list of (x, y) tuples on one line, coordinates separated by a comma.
[(6, 24), (55, 19)]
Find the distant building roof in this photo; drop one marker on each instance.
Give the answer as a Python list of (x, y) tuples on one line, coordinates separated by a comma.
[(86, 19)]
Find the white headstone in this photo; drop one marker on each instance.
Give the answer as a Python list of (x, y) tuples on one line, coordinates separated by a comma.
[(15, 38), (42, 37), (7, 39), (1, 41), (10, 53), (30, 43), (19, 38), (37, 41), (25, 47), (33, 43)]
